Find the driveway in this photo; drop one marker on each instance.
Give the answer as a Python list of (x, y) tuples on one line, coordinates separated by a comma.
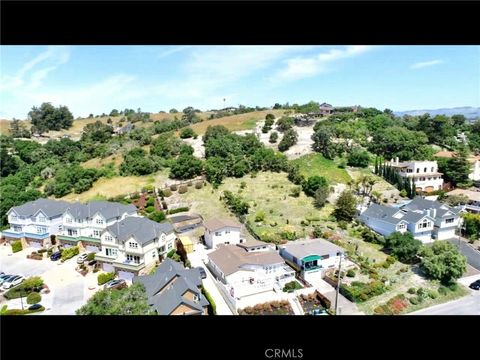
[(19, 264), (473, 256)]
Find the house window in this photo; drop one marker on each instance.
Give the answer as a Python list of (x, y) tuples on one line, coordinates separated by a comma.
[(418, 170), (17, 228), (41, 229), (60, 227), (96, 233), (401, 226), (41, 219), (108, 238), (99, 221), (227, 242), (162, 249), (111, 252), (432, 169), (170, 246), (424, 224), (134, 258), (14, 218), (68, 220), (449, 221), (133, 245), (217, 233), (196, 298), (72, 232), (154, 254), (424, 169), (227, 231)]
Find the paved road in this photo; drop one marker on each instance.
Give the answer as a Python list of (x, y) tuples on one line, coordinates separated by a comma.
[(469, 305), (473, 256)]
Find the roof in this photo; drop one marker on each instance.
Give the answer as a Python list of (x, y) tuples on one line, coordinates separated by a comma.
[(106, 208), (181, 218), (304, 248), (382, 212), (216, 224), (171, 297), (185, 240), (451, 154), (252, 242), (231, 258), (50, 208), (325, 105), (421, 204), (143, 230), (472, 195)]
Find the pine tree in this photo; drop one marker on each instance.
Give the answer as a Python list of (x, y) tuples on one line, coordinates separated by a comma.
[(414, 189), (376, 165)]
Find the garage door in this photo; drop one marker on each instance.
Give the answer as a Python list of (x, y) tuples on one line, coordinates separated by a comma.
[(108, 267), (125, 275), (66, 246), (35, 244), (91, 248)]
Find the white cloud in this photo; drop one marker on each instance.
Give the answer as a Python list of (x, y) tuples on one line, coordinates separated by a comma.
[(172, 51), (423, 64), (301, 67)]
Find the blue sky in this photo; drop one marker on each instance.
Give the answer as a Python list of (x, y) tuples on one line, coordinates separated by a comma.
[(96, 79)]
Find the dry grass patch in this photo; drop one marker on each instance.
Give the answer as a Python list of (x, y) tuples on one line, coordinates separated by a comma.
[(96, 163)]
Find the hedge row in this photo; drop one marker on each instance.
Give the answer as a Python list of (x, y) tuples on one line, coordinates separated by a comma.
[(69, 253), (104, 278), (209, 298), (22, 312), (17, 246), (177, 210)]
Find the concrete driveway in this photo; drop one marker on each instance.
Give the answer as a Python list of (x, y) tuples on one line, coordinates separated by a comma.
[(19, 264)]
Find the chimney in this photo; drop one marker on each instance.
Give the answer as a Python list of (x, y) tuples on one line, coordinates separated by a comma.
[(396, 160), (434, 213)]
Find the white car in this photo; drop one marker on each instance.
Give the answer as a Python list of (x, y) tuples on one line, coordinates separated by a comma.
[(13, 281), (4, 278), (82, 258)]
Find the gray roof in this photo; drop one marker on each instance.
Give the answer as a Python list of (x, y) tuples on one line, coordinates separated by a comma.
[(50, 208), (179, 280), (419, 203), (303, 248), (382, 212), (143, 230), (215, 224), (107, 209)]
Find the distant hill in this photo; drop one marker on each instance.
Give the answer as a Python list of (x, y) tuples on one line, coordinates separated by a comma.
[(468, 111)]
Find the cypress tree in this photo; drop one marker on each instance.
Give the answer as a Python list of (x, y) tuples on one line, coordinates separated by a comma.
[(376, 165)]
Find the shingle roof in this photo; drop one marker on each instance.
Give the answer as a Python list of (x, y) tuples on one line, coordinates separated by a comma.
[(141, 229), (422, 204), (215, 224), (382, 212), (171, 297), (50, 208), (303, 248), (107, 209), (230, 258)]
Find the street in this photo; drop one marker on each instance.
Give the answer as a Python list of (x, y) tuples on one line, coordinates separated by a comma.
[(473, 256), (468, 305)]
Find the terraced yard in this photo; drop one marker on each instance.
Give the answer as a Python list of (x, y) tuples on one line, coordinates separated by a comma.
[(316, 164)]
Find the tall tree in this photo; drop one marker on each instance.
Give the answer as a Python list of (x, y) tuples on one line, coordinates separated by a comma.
[(345, 207), (47, 117), (443, 262)]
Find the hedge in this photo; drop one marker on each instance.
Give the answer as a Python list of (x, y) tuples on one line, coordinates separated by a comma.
[(360, 292), (209, 298), (22, 312), (91, 256), (69, 253), (34, 283), (177, 210), (17, 246), (104, 278), (171, 253), (34, 298)]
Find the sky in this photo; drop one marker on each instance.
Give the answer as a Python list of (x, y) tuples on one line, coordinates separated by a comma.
[(97, 79)]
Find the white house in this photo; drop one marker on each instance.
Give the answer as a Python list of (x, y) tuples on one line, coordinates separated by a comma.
[(424, 173), (134, 243), (311, 257), (245, 273), (426, 220), (86, 222), (35, 221), (222, 231)]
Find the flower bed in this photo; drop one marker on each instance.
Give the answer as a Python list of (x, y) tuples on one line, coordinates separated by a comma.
[(394, 306), (271, 308)]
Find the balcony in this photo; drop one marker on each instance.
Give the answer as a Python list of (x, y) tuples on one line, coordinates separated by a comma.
[(128, 264), (78, 238), (18, 235)]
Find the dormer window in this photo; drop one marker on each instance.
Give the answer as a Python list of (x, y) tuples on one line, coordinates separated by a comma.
[(68, 220), (41, 219), (196, 298), (14, 217), (108, 238), (99, 221), (133, 245)]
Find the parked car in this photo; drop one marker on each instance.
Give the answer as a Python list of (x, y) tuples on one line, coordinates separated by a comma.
[(92, 262), (115, 284), (82, 258), (35, 307), (56, 256), (4, 278), (475, 285), (203, 274), (318, 312), (13, 281)]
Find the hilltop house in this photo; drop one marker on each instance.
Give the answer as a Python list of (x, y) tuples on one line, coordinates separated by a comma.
[(311, 257), (472, 159), (120, 130), (326, 109), (426, 220), (424, 173), (36, 221), (222, 231), (243, 273), (134, 243), (174, 290), (86, 222)]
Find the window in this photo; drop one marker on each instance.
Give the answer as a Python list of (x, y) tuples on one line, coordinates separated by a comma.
[(108, 238), (217, 233), (96, 233), (41, 219), (449, 221), (111, 252), (227, 242), (154, 254), (424, 224), (401, 226), (170, 246), (432, 169), (133, 245), (41, 229), (17, 228), (424, 169), (418, 170), (134, 258), (14, 217), (162, 249), (196, 298), (227, 231), (60, 227), (72, 232), (99, 221), (68, 220)]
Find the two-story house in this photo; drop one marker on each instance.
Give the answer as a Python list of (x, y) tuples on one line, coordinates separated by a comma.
[(311, 257), (424, 174), (36, 221), (86, 222), (426, 220), (133, 244), (222, 231), (174, 290), (244, 273)]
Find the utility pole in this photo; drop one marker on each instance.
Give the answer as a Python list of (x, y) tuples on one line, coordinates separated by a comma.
[(21, 299), (338, 283)]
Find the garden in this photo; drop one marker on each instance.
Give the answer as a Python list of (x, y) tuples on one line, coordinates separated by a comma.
[(313, 302), (270, 308)]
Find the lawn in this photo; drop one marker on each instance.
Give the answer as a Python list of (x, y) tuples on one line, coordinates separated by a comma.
[(120, 185), (97, 163), (316, 164), (236, 122)]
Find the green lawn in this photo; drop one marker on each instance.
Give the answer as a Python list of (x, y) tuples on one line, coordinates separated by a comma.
[(316, 164)]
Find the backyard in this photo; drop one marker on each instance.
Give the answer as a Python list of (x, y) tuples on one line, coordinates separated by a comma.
[(316, 164)]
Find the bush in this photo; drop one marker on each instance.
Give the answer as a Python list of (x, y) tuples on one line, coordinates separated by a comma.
[(171, 253), (182, 189), (260, 216), (351, 273), (150, 201), (167, 192), (177, 210), (157, 216), (34, 283), (41, 251), (173, 188), (91, 256), (411, 291), (150, 209), (104, 278), (443, 290), (420, 292), (413, 300), (23, 312), (17, 246), (209, 298), (453, 286), (432, 294), (343, 225), (69, 253), (95, 270), (34, 298), (198, 185), (291, 286)]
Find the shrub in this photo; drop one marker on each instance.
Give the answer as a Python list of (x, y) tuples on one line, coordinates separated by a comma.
[(198, 185), (22, 312), (351, 273), (173, 188), (213, 306), (171, 253), (177, 210), (167, 192), (260, 216), (413, 300), (104, 278), (411, 291), (150, 201), (420, 292), (150, 209), (34, 298), (443, 290), (17, 246), (342, 225), (182, 189), (295, 192), (69, 253), (432, 294), (95, 270), (157, 216), (453, 286), (291, 286), (91, 256), (41, 251)]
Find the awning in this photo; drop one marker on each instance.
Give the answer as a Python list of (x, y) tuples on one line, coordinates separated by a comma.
[(311, 258)]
